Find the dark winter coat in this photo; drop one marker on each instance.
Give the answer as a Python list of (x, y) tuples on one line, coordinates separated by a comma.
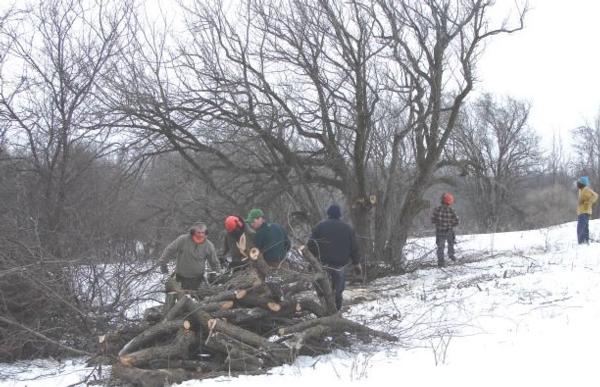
[(334, 243), (444, 218), (272, 240), (230, 245)]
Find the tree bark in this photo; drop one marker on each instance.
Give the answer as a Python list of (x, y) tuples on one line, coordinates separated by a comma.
[(178, 349), (151, 335)]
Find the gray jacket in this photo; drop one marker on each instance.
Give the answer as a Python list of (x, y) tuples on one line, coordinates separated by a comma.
[(190, 257)]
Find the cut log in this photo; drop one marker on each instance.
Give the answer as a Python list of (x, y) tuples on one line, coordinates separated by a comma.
[(176, 310), (227, 295), (151, 335), (114, 341), (313, 307), (178, 349), (315, 332), (338, 324), (274, 353), (253, 300), (241, 315), (190, 365), (236, 356)]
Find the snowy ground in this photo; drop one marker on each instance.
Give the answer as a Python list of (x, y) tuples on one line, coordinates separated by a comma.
[(521, 308)]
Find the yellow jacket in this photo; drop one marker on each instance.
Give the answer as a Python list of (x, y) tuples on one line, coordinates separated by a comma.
[(587, 198)]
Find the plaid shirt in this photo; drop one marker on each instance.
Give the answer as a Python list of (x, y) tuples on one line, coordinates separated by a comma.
[(444, 218)]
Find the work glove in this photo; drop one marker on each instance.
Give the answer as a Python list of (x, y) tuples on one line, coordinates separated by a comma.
[(164, 269), (357, 270)]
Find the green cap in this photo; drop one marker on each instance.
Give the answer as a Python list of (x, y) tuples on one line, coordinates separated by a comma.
[(253, 214)]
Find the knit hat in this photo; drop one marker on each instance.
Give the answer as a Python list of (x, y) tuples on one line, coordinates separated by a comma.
[(334, 211), (254, 214), (447, 198), (584, 180)]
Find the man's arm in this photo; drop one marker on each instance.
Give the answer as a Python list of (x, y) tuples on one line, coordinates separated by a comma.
[(587, 197), (435, 216), (455, 219), (312, 243), (594, 196), (169, 251), (287, 244), (259, 239), (225, 245)]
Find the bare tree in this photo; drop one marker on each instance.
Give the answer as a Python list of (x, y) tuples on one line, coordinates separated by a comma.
[(436, 44), (49, 104), (498, 150), (52, 56), (302, 98), (557, 162)]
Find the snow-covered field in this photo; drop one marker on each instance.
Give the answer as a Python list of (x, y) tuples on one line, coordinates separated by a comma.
[(520, 308)]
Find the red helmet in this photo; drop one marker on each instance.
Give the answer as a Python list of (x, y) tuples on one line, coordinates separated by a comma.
[(232, 222), (447, 198)]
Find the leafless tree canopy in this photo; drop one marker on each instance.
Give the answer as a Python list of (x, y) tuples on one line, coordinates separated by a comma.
[(497, 150)]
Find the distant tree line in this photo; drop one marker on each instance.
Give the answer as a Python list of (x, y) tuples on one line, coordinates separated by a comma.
[(121, 128)]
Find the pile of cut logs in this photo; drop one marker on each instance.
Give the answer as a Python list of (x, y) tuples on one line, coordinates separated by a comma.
[(248, 321)]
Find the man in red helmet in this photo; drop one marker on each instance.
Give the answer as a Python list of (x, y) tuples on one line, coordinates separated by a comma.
[(444, 218), (239, 238)]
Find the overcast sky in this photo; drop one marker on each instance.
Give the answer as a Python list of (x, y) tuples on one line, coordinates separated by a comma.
[(554, 63)]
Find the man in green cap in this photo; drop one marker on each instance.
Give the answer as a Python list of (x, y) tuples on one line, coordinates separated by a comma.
[(270, 238)]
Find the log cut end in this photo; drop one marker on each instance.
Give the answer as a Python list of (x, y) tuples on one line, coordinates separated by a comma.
[(254, 253), (241, 293), (274, 306), (127, 361)]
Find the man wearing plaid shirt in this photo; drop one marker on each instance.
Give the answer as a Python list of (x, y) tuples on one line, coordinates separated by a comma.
[(444, 218)]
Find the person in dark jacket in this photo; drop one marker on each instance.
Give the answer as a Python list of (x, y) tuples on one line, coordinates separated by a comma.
[(191, 251), (270, 238), (334, 243), (444, 218), (239, 239)]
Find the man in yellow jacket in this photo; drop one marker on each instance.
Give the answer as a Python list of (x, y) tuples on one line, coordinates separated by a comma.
[(587, 198)]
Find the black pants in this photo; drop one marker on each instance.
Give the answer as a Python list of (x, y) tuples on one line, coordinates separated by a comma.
[(441, 238), (337, 276), (189, 283)]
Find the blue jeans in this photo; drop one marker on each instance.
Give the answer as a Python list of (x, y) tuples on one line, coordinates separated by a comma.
[(441, 238), (583, 228), (337, 276)]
